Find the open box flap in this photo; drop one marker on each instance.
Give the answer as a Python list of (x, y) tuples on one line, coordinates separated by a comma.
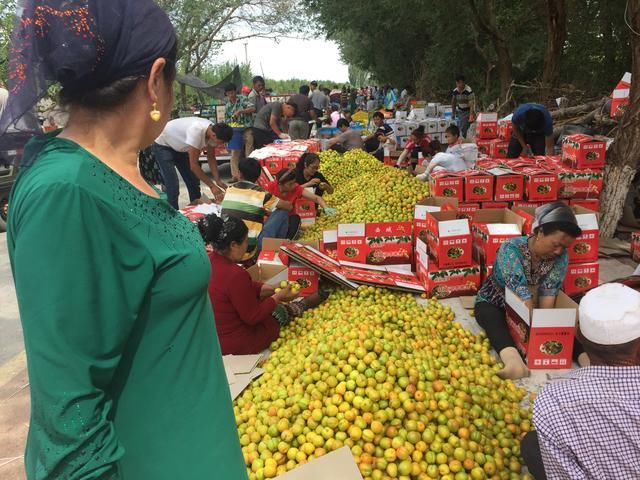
[(351, 230), (453, 228), (503, 229), (518, 306), (330, 236), (553, 317)]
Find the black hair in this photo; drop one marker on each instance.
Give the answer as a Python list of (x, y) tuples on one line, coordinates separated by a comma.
[(231, 87), (257, 79), (314, 83), (307, 159), (117, 92), (434, 147), (294, 106), (304, 89), (612, 355), (461, 78), (550, 228), (250, 169), (285, 175), (534, 120), (220, 232), (343, 122), (326, 91), (418, 132), (378, 115), (453, 130), (223, 131)]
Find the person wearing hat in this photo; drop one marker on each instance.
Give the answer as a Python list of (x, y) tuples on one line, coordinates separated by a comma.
[(532, 131), (589, 425), (527, 265)]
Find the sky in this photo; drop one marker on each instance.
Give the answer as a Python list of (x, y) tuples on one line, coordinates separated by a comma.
[(289, 58)]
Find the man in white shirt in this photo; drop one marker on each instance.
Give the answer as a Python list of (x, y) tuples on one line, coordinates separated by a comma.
[(179, 146)]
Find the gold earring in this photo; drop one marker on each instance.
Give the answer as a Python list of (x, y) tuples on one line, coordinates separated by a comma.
[(155, 113)]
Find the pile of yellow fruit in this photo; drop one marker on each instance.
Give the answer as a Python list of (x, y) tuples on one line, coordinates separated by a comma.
[(412, 393), (365, 190)]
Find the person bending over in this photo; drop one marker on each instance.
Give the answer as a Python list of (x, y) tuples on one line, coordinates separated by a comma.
[(532, 131), (349, 139), (539, 261), (308, 174), (248, 315)]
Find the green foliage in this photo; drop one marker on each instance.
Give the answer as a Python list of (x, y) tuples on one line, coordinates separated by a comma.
[(426, 43)]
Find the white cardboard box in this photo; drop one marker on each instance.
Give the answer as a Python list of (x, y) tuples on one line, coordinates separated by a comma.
[(337, 465)]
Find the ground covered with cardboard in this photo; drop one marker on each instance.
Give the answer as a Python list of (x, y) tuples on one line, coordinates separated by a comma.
[(411, 391)]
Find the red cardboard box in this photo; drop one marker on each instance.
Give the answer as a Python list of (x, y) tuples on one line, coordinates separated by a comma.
[(306, 210), (540, 185), (585, 248), (528, 214), (307, 278), (545, 336), (495, 205), (272, 255), (509, 185), (468, 210), (620, 96), (273, 164), (505, 129), (329, 245), (376, 243), (583, 151), (478, 186), (498, 148), (580, 183), (527, 204), (588, 203), (491, 228), (487, 125), (423, 207), (635, 246), (581, 277), (449, 239), (483, 146), (265, 177), (445, 283), (447, 184)]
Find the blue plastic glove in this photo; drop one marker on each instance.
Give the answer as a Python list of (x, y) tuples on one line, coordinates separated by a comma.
[(330, 212)]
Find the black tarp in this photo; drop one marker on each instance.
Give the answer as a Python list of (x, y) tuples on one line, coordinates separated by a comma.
[(216, 91)]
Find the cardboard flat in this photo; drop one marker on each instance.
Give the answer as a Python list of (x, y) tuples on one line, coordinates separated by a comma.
[(241, 364), (338, 464), (243, 381)]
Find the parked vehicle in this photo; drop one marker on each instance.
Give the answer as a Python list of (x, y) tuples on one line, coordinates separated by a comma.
[(11, 148)]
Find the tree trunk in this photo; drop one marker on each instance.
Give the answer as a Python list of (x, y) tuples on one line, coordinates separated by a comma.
[(624, 154), (556, 37), (485, 22)]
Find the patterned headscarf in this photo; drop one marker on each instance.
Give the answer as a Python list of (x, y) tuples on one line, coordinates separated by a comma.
[(554, 212), (83, 45)]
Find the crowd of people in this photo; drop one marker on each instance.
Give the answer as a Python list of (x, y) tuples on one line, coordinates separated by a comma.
[(125, 315)]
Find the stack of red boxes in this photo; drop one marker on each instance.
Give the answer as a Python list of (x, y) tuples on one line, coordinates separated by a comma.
[(444, 261), (584, 269), (486, 132)]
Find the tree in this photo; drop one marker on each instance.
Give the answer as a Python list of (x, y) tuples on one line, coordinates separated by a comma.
[(484, 21), (624, 154), (556, 37), (203, 26)]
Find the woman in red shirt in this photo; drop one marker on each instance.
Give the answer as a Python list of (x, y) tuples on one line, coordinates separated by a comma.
[(248, 314), (286, 188)]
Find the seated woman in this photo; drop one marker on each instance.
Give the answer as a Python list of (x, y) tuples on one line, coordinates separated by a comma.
[(286, 188), (308, 174), (248, 314), (539, 262)]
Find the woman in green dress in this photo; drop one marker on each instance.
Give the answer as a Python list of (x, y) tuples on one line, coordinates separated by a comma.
[(125, 371)]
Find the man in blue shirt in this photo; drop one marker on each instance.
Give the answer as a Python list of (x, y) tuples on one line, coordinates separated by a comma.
[(532, 131)]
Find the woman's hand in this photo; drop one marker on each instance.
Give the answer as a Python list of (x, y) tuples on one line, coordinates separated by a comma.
[(312, 183), (286, 295), (267, 291)]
